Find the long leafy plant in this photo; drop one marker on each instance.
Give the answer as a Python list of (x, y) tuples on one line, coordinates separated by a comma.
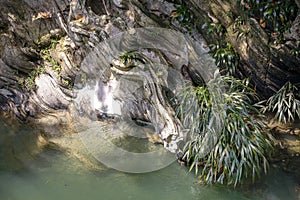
[(241, 148)]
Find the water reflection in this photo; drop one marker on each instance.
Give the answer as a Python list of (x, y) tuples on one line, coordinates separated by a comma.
[(28, 171), (19, 143)]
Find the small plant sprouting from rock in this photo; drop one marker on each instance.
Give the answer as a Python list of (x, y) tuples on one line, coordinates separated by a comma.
[(285, 104), (29, 82), (226, 58), (295, 52), (183, 15), (242, 148), (128, 57), (239, 28), (49, 59)]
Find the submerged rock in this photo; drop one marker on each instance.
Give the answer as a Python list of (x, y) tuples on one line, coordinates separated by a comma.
[(287, 152), (19, 144)]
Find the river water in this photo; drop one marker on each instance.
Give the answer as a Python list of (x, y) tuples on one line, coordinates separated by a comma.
[(26, 172)]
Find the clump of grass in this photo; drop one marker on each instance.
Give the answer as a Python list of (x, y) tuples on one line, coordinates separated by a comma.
[(283, 103), (240, 150)]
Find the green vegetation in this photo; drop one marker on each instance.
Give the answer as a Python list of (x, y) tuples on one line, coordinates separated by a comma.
[(216, 28), (49, 59), (240, 150), (29, 82), (274, 16), (128, 57), (284, 104), (238, 28), (295, 52), (226, 58), (183, 15)]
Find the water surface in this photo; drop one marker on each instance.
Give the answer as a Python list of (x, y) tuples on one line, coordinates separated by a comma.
[(27, 173)]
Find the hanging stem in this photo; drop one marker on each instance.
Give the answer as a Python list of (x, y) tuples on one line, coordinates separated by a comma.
[(106, 10)]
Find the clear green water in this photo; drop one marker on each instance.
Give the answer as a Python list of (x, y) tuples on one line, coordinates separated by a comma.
[(51, 174)]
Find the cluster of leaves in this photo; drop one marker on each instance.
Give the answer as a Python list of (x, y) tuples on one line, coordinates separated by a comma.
[(283, 103), (128, 57), (182, 14), (194, 107), (49, 59), (226, 58), (295, 52), (217, 28), (273, 15), (29, 82), (238, 28), (240, 150)]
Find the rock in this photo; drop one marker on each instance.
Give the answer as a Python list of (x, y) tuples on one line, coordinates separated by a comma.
[(119, 3), (74, 148), (154, 138), (60, 35), (18, 147), (268, 66), (287, 157)]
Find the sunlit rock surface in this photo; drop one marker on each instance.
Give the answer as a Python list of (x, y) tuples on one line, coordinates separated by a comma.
[(44, 45)]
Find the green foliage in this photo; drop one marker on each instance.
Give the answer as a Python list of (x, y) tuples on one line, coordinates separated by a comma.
[(182, 14), (49, 59), (29, 82), (242, 147), (66, 83), (283, 103), (195, 105), (238, 27), (217, 28), (226, 58), (276, 16), (295, 52), (128, 57)]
